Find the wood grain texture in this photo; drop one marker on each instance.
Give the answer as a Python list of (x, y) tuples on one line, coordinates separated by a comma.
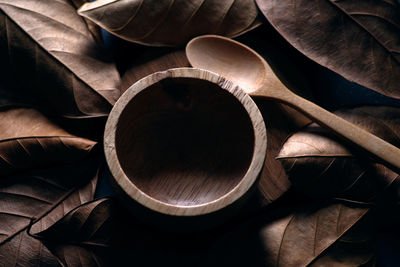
[(171, 22), (244, 66), (197, 146), (184, 143)]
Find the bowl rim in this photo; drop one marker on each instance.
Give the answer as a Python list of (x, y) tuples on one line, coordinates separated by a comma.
[(246, 182)]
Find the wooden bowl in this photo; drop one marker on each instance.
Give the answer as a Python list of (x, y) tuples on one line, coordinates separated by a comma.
[(185, 142)]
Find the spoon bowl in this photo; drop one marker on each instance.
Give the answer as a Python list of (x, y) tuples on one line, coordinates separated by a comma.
[(245, 67), (235, 61)]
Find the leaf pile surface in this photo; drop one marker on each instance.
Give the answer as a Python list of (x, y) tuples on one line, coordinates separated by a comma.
[(318, 201)]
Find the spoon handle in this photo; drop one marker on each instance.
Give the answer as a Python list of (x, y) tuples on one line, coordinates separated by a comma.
[(377, 147)]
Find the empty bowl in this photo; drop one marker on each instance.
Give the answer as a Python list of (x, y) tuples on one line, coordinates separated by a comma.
[(185, 142)]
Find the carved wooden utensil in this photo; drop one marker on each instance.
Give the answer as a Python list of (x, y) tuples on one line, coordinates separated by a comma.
[(248, 69), (185, 142)]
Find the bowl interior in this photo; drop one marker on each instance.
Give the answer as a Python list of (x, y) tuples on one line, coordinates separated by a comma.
[(184, 141)]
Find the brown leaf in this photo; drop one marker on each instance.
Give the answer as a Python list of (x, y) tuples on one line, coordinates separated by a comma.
[(170, 22), (305, 235), (28, 139), (320, 165), (359, 40), (309, 234), (29, 197), (53, 59)]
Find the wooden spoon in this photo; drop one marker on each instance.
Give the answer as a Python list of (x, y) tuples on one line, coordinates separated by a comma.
[(249, 70)]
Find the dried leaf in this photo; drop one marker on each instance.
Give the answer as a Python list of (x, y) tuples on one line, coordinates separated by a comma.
[(310, 234), (28, 139), (320, 165), (170, 22), (305, 235), (30, 196), (53, 60), (359, 40)]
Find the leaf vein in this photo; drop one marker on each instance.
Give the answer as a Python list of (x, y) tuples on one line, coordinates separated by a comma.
[(224, 16), (363, 28), (120, 28), (25, 196), (157, 25), (59, 23), (186, 23), (14, 214), (281, 243), (367, 14)]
